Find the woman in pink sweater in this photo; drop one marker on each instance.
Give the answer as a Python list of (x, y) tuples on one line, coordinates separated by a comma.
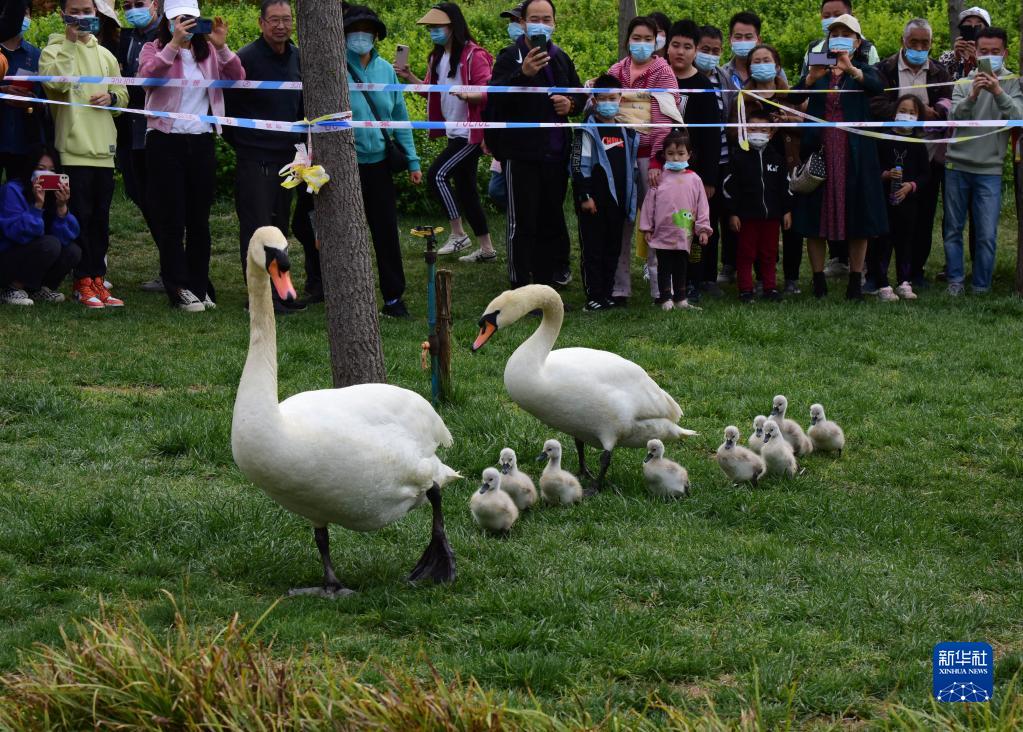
[(180, 154), (641, 69), (674, 214)]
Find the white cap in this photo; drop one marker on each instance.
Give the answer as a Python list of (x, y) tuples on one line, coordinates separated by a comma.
[(976, 13), (849, 22), (182, 7), (106, 8)]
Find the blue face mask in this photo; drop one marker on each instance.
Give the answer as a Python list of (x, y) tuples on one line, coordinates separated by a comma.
[(606, 110), (641, 51), (763, 72), (139, 17), (360, 42), (439, 36), (826, 23), (170, 25), (676, 166), (916, 58), (841, 44), (535, 29), (996, 62), (515, 31), (706, 61), (742, 48)]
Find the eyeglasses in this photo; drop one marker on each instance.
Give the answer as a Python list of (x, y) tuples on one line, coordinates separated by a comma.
[(282, 22), (129, 5)]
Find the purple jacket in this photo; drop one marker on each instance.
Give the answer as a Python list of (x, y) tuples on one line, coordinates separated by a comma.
[(163, 62), (22, 223)]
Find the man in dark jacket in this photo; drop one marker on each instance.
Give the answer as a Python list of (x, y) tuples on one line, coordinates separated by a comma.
[(144, 19), (259, 198), (908, 68), (536, 160)]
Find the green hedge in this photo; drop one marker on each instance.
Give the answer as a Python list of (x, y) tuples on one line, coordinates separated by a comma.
[(587, 31)]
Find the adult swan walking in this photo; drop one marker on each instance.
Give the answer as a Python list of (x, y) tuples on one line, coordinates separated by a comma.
[(361, 457), (597, 397)]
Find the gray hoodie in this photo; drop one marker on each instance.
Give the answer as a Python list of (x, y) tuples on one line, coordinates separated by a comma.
[(984, 155)]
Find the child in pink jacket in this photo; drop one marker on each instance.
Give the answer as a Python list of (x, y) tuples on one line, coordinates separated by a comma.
[(674, 213)]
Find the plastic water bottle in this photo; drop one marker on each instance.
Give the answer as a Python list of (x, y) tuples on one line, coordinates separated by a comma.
[(896, 180)]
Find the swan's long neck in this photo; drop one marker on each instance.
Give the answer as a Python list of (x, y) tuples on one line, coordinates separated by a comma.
[(257, 390), (533, 352)]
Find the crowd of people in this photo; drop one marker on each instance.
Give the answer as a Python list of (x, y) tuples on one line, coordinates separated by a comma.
[(659, 179)]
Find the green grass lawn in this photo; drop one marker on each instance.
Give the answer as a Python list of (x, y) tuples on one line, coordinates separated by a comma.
[(821, 596)]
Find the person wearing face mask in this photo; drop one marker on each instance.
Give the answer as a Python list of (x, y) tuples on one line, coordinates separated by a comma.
[(11, 14), (973, 167), (21, 123), (456, 58), (604, 167), (37, 233), (759, 205), (743, 37), (87, 141), (144, 20), (536, 168), (961, 59), (913, 70), (641, 69), (661, 42), (363, 28), (850, 204), (904, 172), (830, 10)]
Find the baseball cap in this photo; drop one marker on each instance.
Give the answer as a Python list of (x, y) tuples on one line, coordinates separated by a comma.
[(976, 12), (177, 8)]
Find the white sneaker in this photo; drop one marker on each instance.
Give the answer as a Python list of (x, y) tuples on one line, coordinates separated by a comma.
[(685, 305), (45, 294), (479, 257), (208, 304), (646, 272), (905, 291), (667, 305), (107, 284), (14, 296), (835, 268), (727, 275), (887, 294), (455, 244), (187, 301)]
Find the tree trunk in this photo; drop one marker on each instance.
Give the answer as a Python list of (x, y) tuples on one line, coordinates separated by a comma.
[(626, 12), (356, 353), (954, 8), (444, 331)]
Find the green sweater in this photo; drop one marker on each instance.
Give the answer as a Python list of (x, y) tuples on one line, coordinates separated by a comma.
[(983, 155), (85, 136)]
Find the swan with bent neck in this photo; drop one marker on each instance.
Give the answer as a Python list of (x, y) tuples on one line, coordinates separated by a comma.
[(361, 457), (597, 397)]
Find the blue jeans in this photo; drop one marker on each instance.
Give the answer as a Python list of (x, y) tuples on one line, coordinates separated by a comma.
[(986, 192), (498, 190)]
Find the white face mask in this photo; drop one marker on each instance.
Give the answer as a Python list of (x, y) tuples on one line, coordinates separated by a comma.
[(905, 117), (758, 140)]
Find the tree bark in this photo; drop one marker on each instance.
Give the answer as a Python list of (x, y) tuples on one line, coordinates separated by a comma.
[(626, 12), (954, 8), (356, 353)]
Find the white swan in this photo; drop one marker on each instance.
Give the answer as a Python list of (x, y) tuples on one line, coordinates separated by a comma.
[(777, 452), (756, 438), (557, 485), (492, 509), (664, 478), (790, 429), (361, 457), (826, 435), (738, 463), (597, 397), (514, 482)]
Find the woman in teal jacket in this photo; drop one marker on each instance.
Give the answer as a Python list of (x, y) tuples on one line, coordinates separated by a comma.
[(362, 30)]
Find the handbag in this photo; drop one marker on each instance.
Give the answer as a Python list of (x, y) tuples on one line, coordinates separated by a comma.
[(808, 177), (394, 154)]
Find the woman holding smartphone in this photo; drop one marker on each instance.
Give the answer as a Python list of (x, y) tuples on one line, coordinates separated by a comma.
[(472, 65), (180, 154), (37, 232)]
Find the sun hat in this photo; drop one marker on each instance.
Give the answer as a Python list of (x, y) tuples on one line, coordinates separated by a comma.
[(361, 14), (849, 22), (435, 16)]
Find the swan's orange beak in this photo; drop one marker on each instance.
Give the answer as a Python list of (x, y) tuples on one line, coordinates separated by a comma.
[(281, 282), (486, 330)]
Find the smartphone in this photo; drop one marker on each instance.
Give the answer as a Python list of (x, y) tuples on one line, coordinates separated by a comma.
[(51, 181), (984, 64), (401, 57), (969, 33), (202, 27), (821, 58), (539, 41), (84, 25)]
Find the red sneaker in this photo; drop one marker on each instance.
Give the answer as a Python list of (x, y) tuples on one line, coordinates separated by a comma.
[(108, 300), (85, 293)]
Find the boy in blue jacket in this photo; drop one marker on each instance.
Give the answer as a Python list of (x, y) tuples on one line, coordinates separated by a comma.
[(604, 168)]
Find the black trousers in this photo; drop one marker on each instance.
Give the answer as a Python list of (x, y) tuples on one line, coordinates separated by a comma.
[(792, 253), (259, 200), (180, 197), (671, 274), (600, 238), (40, 262), (537, 233), (92, 192), (380, 201), (722, 237), (458, 162), (302, 228), (132, 164), (903, 221)]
